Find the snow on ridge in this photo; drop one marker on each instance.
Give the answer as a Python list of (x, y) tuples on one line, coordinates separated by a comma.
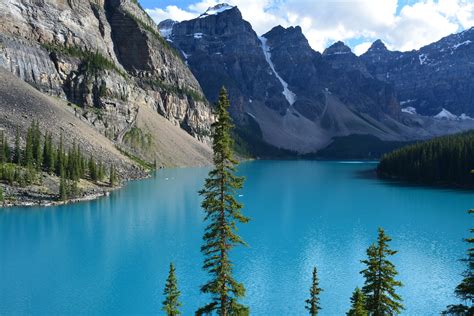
[(166, 33), (462, 44), (446, 115), (422, 58), (410, 110), (407, 101), (289, 95), (198, 35), (464, 117), (216, 10)]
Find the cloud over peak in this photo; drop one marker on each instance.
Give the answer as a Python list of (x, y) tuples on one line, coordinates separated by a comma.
[(400, 25)]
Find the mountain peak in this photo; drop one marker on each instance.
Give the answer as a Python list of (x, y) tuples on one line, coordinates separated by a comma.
[(378, 45), (338, 48), (219, 8), (166, 27)]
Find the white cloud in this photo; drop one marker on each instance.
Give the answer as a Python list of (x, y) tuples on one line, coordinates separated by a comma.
[(362, 48), (359, 21)]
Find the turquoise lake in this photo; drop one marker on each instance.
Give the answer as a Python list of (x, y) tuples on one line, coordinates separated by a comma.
[(111, 256)]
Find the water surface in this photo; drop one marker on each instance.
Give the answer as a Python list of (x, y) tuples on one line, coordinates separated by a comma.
[(111, 256)]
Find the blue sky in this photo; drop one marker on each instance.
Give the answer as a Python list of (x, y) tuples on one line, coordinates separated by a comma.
[(401, 24)]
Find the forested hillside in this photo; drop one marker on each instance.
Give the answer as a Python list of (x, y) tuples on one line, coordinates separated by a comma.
[(444, 160)]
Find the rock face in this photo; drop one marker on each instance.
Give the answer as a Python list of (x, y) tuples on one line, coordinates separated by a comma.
[(436, 77), (108, 58), (286, 94)]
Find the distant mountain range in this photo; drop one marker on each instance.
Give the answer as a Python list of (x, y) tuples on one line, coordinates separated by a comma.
[(288, 96)]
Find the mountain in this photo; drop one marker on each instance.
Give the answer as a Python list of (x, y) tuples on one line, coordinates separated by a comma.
[(288, 96), (107, 61), (434, 79)]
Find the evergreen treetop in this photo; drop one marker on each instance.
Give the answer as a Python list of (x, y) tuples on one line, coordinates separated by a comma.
[(312, 304), (171, 303), (380, 283), (358, 303), (465, 290)]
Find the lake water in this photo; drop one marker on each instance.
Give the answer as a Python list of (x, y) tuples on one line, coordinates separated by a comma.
[(111, 256)]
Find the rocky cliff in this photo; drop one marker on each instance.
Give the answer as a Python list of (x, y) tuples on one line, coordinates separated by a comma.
[(435, 77), (108, 58)]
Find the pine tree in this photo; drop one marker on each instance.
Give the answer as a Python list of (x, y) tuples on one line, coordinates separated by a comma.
[(92, 169), (5, 149), (63, 188), (312, 304), (171, 303), (223, 213), (100, 171), (465, 290), (36, 144), (29, 152), (60, 158), (358, 304), (113, 177), (379, 287), (17, 155)]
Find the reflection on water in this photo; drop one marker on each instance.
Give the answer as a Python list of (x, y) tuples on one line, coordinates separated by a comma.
[(111, 256)]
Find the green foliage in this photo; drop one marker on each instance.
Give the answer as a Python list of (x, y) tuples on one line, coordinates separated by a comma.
[(2, 197), (312, 304), (63, 194), (17, 155), (380, 283), (113, 176), (171, 303), (223, 213), (137, 139), (465, 290), (358, 303), (93, 170), (91, 61), (5, 155), (144, 164), (444, 160), (40, 154), (183, 92)]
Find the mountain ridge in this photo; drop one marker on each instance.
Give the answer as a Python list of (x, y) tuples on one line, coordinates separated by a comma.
[(302, 99)]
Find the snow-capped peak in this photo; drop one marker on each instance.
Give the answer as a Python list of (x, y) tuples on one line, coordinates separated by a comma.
[(216, 9), (446, 115)]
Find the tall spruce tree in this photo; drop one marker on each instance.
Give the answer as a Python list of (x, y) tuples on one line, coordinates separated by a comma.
[(465, 290), (222, 214), (113, 177), (358, 304), (29, 150), (312, 304), (171, 303), (380, 283), (17, 155)]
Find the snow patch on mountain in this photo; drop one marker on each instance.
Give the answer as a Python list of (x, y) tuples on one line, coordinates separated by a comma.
[(198, 35), (216, 10), (446, 115), (409, 110), (422, 58), (462, 44), (289, 95)]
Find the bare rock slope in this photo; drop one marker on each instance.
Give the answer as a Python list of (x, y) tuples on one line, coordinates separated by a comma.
[(107, 60)]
